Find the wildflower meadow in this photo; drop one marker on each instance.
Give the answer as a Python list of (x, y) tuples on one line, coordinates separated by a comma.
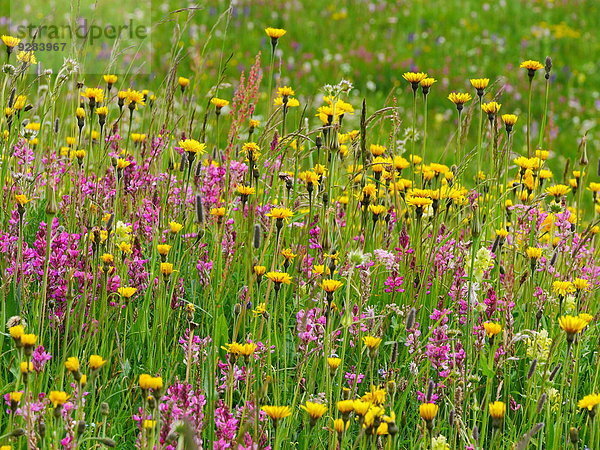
[(360, 225)]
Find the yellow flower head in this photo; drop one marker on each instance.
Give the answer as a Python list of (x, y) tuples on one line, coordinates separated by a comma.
[(534, 253), (492, 328), (509, 119), (72, 364), (479, 83), (95, 94), (497, 410), (285, 91), (10, 41), (428, 411), (259, 270), (572, 324), (427, 82), (219, 102), (22, 199), (163, 249), (275, 33), (314, 410), (16, 331), (589, 402), (371, 342), (331, 286), (277, 412), (58, 398), (531, 65), (126, 292), (459, 98), (28, 340), (279, 277), (562, 287), (110, 79), (26, 367), (175, 227), (414, 77), (183, 82), (96, 362), (491, 108), (192, 146), (557, 190), (280, 213)]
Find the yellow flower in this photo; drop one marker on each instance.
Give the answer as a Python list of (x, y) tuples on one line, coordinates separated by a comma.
[(345, 406), (277, 412), (377, 210), (259, 270), (426, 83), (314, 410), (334, 362), (360, 407), (572, 325), (562, 287), (102, 111), (58, 398), (95, 95), (492, 329), (72, 364), (16, 331), (581, 284), (497, 410), (26, 367), (414, 78), (134, 98), (479, 83), (309, 177), (375, 396), (27, 57), (534, 253), (428, 411), (246, 349), (149, 382), (291, 102), (219, 102), (589, 402), (285, 91), (459, 98), (122, 163), (10, 41), (331, 286), (279, 277), (96, 361), (148, 424), (339, 426), (557, 190), (509, 119), (183, 82), (80, 113), (163, 249), (245, 190), (218, 212), (280, 213), (371, 342), (28, 340), (288, 254), (275, 33), (192, 146), (418, 202), (175, 227), (166, 268), (126, 292), (22, 199), (531, 65), (110, 79), (15, 397), (491, 108)]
